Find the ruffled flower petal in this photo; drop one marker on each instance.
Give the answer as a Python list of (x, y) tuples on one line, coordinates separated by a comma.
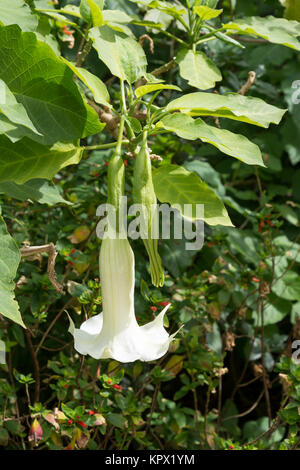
[(115, 333)]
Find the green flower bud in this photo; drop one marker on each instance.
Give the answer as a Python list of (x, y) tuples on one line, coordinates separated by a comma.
[(144, 194), (116, 182)]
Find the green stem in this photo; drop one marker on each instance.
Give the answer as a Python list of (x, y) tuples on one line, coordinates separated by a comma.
[(120, 136), (64, 12), (123, 97), (172, 36), (105, 146), (209, 35)]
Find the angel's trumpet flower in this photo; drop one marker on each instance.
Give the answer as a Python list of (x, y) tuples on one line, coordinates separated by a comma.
[(115, 333)]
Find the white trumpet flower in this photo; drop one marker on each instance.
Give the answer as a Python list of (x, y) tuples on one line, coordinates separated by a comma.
[(115, 333)]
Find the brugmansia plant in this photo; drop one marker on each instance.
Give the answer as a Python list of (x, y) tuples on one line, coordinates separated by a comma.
[(50, 107)]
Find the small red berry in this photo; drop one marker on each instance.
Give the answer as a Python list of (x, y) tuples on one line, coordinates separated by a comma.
[(255, 279), (109, 381), (70, 421), (153, 308), (106, 163), (125, 162), (117, 387), (91, 413), (231, 447), (164, 304), (84, 425)]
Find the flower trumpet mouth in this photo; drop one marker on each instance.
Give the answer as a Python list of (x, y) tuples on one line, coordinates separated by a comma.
[(115, 333)]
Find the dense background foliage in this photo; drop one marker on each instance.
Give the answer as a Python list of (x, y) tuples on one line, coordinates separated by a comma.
[(228, 381)]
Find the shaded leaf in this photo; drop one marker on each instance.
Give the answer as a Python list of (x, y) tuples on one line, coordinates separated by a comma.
[(37, 189), (27, 159)]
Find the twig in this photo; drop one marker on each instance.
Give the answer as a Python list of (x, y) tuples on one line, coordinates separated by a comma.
[(265, 376), (205, 415), (151, 43), (273, 428), (246, 87), (240, 415), (250, 40), (35, 365), (51, 250), (51, 326)]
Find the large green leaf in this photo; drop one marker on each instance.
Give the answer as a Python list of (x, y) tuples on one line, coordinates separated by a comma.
[(235, 145), (27, 159), (123, 55), (232, 106), (37, 189), (198, 69), (44, 85), (95, 85), (9, 262), (177, 186), (276, 30), (17, 12)]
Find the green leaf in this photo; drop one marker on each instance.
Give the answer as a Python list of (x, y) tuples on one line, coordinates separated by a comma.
[(9, 262), (235, 145), (292, 9), (14, 111), (4, 437), (231, 106), (17, 12), (198, 69), (37, 189), (276, 30), (27, 159), (44, 85), (166, 7), (123, 55), (288, 286), (116, 420), (95, 85), (205, 13), (145, 89), (177, 186), (176, 258), (91, 11), (116, 16), (274, 311)]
